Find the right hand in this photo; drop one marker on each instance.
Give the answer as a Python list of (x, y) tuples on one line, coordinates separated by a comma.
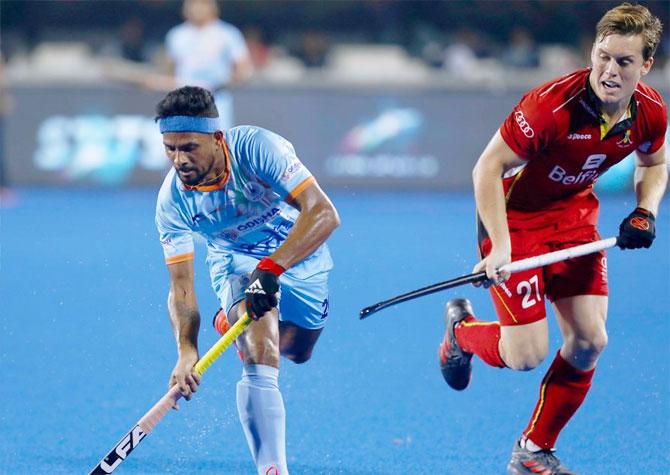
[(497, 258), (261, 294), (185, 376)]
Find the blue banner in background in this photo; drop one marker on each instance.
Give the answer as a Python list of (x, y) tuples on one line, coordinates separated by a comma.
[(392, 139)]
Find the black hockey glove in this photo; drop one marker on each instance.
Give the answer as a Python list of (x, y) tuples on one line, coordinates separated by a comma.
[(637, 230), (261, 293)]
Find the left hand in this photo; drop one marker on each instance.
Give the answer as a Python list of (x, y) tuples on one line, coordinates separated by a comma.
[(261, 293), (637, 230)]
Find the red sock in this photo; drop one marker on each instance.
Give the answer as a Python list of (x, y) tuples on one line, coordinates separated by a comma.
[(562, 392), (481, 338)]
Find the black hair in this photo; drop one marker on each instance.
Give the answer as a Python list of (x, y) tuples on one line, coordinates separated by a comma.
[(191, 101)]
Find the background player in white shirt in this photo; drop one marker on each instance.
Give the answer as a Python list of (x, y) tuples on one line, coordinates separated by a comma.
[(266, 221), (208, 52)]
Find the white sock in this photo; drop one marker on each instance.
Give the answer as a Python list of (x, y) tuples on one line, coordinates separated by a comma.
[(530, 445), (261, 410)]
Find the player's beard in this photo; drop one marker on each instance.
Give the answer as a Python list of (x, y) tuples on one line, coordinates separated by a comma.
[(192, 176)]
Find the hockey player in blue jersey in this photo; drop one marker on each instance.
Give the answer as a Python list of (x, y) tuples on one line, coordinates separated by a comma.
[(265, 220)]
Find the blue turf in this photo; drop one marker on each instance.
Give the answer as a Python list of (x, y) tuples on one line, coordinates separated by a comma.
[(86, 349)]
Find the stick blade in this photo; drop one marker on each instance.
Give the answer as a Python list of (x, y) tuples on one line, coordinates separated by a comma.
[(367, 311)]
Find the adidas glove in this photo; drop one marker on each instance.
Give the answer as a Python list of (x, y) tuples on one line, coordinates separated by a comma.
[(637, 230), (261, 293)]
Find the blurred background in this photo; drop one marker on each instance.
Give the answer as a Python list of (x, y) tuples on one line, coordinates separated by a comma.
[(372, 93)]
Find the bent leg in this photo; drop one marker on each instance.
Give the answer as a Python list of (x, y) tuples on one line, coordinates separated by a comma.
[(296, 343), (519, 347), (566, 384)]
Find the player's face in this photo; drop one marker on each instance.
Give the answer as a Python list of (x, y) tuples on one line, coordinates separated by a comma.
[(618, 65), (199, 12), (193, 155)]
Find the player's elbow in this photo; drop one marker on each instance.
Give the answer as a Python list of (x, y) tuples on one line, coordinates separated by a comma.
[(329, 217)]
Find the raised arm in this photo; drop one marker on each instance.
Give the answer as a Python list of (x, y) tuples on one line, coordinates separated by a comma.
[(487, 175)]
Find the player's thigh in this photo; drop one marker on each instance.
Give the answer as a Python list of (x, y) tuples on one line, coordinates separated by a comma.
[(520, 300), (583, 318), (519, 304)]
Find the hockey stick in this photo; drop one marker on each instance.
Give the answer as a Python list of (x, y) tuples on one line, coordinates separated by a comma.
[(523, 264), (149, 420)]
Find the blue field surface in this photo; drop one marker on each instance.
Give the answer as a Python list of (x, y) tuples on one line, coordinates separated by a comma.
[(86, 349)]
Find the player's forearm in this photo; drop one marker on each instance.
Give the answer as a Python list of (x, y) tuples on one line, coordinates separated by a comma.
[(310, 230), (490, 200), (185, 321), (650, 184)]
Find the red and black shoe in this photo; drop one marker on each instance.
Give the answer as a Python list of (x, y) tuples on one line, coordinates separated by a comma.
[(542, 462), (221, 325), (456, 364)]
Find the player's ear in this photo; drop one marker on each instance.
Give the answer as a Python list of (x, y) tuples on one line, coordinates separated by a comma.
[(646, 66)]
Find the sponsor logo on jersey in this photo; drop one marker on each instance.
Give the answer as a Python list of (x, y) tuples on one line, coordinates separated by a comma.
[(559, 175), (594, 161), (292, 169), (579, 136), (257, 221), (524, 125)]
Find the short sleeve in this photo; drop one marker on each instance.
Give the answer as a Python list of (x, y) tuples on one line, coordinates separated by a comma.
[(175, 236), (657, 130), (528, 128), (275, 162)]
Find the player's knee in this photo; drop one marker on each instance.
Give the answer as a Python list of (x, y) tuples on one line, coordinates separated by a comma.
[(524, 354), (262, 351), (593, 343), (525, 359)]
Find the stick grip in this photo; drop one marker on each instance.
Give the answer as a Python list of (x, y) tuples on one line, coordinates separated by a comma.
[(158, 411)]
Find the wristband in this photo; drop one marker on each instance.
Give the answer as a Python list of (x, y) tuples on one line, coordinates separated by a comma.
[(271, 266)]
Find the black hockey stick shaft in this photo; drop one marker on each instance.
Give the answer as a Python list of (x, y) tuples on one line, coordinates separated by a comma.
[(447, 284)]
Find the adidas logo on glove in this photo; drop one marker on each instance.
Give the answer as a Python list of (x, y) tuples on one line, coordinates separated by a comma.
[(255, 288)]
